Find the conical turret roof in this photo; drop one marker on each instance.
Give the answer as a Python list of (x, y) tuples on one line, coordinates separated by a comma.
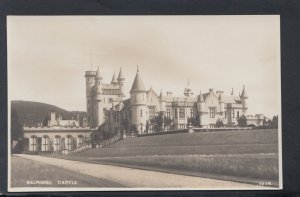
[(138, 84), (200, 98), (121, 76), (221, 98), (244, 94), (162, 95), (114, 79), (98, 74)]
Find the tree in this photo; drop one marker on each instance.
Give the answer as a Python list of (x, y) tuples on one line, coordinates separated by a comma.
[(125, 125), (242, 121), (274, 122), (219, 123), (194, 121), (158, 122), (133, 128), (265, 120), (16, 127), (168, 122)]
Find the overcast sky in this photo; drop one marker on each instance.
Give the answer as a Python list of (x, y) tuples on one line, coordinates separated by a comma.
[(48, 55)]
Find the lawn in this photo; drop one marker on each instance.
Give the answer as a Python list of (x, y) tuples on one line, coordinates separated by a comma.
[(26, 173), (256, 166), (250, 154)]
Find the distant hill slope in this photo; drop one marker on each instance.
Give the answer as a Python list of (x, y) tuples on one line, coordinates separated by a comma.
[(32, 113)]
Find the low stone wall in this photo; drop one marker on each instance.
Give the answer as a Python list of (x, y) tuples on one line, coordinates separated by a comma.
[(194, 130)]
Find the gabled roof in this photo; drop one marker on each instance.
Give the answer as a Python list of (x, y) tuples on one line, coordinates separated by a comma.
[(138, 84)]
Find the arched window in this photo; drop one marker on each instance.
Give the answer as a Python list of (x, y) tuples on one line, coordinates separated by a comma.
[(80, 140), (69, 142), (57, 143), (33, 143), (45, 143)]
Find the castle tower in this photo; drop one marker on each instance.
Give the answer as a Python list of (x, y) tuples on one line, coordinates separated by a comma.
[(244, 98), (114, 79), (201, 110), (222, 104), (90, 82), (162, 101), (52, 121), (138, 101), (121, 80), (98, 110)]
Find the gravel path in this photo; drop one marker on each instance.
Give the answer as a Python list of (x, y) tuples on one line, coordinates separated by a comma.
[(137, 178)]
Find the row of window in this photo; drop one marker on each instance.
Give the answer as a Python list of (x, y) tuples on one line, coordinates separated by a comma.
[(57, 143), (181, 113), (108, 91), (152, 113)]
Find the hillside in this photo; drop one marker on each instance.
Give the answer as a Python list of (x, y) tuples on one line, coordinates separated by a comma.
[(32, 113)]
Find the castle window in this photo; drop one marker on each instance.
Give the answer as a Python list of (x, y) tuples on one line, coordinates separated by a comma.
[(57, 143), (181, 126), (232, 113), (237, 114), (80, 140), (124, 115), (141, 113), (176, 113), (225, 114), (192, 111), (181, 113), (33, 143), (168, 113), (151, 111), (69, 142), (45, 143), (212, 112)]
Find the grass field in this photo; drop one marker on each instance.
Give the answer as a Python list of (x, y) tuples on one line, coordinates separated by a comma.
[(245, 154), (26, 173)]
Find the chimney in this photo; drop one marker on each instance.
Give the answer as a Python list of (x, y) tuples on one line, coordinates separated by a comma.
[(169, 94)]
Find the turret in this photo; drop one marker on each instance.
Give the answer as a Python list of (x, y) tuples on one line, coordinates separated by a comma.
[(232, 92), (98, 81), (200, 103), (222, 104), (114, 79), (138, 101), (90, 81), (201, 109), (162, 100), (121, 80), (244, 98)]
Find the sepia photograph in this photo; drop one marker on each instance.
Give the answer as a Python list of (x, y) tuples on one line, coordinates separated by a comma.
[(149, 102)]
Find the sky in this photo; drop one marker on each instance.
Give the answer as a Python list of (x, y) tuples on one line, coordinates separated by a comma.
[(48, 56)]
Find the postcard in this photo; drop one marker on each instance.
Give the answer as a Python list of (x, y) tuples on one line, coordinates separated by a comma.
[(118, 103)]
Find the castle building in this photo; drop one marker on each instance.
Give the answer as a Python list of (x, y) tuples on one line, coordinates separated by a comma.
[(109, 112), (57, 136)]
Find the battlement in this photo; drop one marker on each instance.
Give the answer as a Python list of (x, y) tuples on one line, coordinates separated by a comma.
[(90, 73), (61, 128)]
